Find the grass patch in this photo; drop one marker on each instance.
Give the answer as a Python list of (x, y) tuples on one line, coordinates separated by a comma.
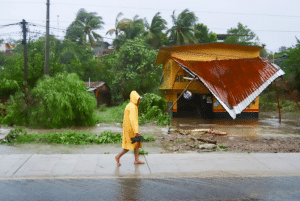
[(112, 114), (268, 102), (20, 136)]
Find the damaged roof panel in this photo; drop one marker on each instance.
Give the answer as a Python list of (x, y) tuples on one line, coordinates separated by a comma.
[(235, 83)]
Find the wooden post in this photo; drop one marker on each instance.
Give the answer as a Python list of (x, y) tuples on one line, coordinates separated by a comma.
[(277, 101), (182, 93), (290, 92)]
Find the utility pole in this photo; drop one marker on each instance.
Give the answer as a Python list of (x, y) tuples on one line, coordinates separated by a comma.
[(46, 68), (24, 30)]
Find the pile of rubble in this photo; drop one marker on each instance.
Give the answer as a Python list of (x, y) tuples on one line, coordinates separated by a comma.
[(201, 140)]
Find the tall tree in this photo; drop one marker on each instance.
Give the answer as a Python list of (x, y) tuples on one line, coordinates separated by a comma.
[(118, 25), (154, 30), (129, 29), (203, 35), (291, 65), (134, 68), (182, 31), (82, 29), (242, 35)]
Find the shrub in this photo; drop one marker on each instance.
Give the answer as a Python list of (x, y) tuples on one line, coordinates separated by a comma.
[(63, 101), (55, 102), (14, 134), (8, 87), (68, 137), (152, 108), (16, 110)]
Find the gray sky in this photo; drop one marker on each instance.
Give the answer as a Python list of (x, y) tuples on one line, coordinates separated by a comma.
[(275, 22)]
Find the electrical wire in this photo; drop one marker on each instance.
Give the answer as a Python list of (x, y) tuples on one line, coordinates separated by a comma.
[(212, 12)]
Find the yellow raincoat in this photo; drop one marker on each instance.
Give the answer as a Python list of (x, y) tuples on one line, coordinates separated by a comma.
[(131, 122)]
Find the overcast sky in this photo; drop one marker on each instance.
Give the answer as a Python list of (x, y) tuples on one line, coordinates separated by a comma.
[(275, 22)]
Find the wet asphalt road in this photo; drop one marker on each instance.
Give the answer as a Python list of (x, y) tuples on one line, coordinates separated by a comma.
[(235, 188)]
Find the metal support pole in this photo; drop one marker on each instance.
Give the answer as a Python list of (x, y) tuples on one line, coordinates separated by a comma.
[(290, 92), (46, 68), (277, 101), (24, 30), (181, 93)]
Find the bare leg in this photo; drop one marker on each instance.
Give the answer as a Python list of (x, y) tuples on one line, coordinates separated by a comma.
[(120, 155), (136, 154)]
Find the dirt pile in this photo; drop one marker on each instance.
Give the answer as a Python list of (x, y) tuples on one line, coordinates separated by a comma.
[(208, 140)]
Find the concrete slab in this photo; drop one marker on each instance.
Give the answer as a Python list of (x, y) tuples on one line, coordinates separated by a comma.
[(217, 162), (9, 164), (162, 163), (273, 162), (38, 164), (291, 158), (66, 165)]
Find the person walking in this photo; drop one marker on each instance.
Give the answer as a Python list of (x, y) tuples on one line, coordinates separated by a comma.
[(131, 129)]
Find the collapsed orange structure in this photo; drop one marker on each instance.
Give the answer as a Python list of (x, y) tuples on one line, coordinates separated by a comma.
[(233, 75)]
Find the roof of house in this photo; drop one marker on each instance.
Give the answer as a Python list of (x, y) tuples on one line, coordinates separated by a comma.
[(94, 84), (234, 74), (208, 52)]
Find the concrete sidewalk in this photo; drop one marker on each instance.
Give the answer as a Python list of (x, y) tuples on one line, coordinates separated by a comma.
[(25, 166)]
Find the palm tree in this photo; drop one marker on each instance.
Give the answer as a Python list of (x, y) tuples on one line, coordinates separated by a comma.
[(154, 31), (118, 25), (182, 31), (81, 29), (129, 29)]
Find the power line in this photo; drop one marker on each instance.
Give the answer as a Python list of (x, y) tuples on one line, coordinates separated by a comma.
[(9, 25), (212, 12)]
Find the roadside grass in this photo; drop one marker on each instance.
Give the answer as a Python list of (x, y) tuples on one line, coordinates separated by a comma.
[(20, 136), (268, 102), (111, 114)]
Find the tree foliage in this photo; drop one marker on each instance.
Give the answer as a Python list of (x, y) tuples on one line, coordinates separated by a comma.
[(154, 34), (134, 68), (242, 35), (203, 35), (82, 29), (182, 31), (291, 65), (55, 102)]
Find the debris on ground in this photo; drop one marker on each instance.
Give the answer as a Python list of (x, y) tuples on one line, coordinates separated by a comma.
[(200, 140), (209, 140)]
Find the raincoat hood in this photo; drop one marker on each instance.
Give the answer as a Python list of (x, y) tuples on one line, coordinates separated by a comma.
[(134, 97)]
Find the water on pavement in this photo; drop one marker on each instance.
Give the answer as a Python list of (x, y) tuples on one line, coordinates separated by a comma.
[(219, 188)]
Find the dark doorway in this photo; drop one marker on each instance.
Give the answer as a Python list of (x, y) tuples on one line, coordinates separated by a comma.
[(200, 105)]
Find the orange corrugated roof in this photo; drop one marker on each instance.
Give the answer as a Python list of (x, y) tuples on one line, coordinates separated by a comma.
[(235, 83)]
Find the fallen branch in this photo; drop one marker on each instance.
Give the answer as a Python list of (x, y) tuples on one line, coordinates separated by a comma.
[(204, 140)]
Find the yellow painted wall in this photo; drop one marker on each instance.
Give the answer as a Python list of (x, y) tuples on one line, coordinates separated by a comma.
[(253, 107), (173, 82)]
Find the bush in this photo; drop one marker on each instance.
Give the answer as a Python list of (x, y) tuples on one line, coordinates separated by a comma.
[(16, 110), (14, 134), (55, 102), (152, 108), (268, 102), (8, 87), (67, 137)]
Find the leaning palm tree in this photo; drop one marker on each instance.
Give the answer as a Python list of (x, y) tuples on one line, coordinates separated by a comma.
[(82, 29), (129, 29), (182, 31), (118, 26), (154, 31)]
